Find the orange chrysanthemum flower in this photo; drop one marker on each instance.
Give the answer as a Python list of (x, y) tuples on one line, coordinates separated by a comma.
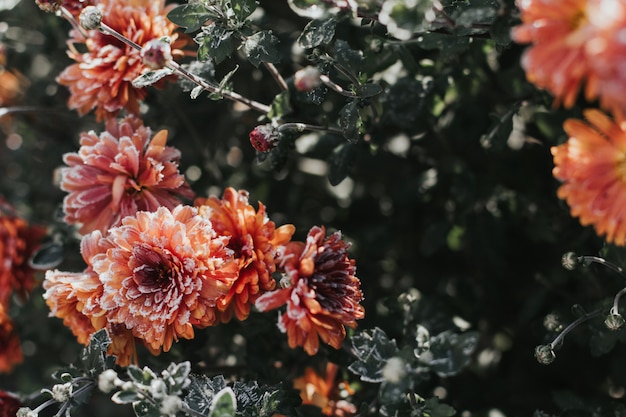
[(118, 173), (592, 167), (322, 293), (18, 242), (75, 298), (102, 77), (558, 31), (10, 346), (254, 240), (322, 391), (163, 274)]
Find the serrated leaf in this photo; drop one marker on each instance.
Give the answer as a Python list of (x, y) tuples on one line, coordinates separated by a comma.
[(125, 397), (318, 32), (148, 78), (224, 404), (47, 257), (451, 352), (372, 348), (350, 121), (190, 16), (341, 162), (214, 42), (261, 47), (243, 8)]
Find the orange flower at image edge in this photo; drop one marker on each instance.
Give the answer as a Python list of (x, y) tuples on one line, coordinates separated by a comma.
[(592, 167), (102, 77), (321, 292), (255, 242), (10, 346)]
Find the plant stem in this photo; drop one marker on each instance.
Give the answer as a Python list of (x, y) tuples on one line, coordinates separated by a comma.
[(301, 127), (276, 75), (604, 262), (336, 87), (559, 339)]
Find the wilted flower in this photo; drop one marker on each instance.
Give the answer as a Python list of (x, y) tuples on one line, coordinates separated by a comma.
[(101, 78), (120, 172), (592, 167), (322, 391), (18, 241), (322, 293), (307, 78), (10, 346), (254, 240), (264, 137), (163, 274)]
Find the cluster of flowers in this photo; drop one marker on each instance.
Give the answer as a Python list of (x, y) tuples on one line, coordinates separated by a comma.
[(157, 269), (18, 242), (576, 42)]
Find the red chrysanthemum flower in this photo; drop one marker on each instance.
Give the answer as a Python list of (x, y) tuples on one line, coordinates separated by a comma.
[(9, 404), (592, 167), (254, 240), (322, 295), (323, 391), (102, 77), (10, 346), (18, 241), (558, 31), (75, 298), (163, 275), (118, 173)]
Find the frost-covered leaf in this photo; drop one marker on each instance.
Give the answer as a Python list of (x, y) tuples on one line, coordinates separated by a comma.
[(224, 84), (191, 16), (214, 42), (281, 106), (372, 349), (140, 376), (195, 93), (202, 390), (93, 357), (146, 409), (422, 339), (243, 8), (125, 397), (261, 47), (318, 32), (451, 352), (148, 78), (350, 121), (348, 58), (224, 404)]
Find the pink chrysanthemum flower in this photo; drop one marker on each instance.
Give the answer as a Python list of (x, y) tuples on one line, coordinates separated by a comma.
[(102, 77), (592, 167), (120, 172), (75, 298), (558, 31), (322, 293), (255, 241), (163, 274)]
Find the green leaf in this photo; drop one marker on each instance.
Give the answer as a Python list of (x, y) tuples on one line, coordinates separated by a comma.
[(146, 409), (202, 390), (318, 32), (281, 106), (47, 257), (312, 9), (125, 397), (260, 47), (347, 57), (93, 357), (191, 16), (215, 42), (151, 77), (372, 348), (140, 376), (243, 8), (350, 121), (369, 90), (224, 404), (341, 162), (451, 352), (403, 19), (433, 408)]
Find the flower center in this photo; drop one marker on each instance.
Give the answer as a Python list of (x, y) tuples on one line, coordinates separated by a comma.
[(150, 266)]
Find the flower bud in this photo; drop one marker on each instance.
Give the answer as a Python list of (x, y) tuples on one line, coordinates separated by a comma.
[(307, 78), (264, 137), (107, 380), (62, 392), (544, 354), (614, 321), (90, 18), (49, 6), (26, 412), (569, 260), (156, 53)]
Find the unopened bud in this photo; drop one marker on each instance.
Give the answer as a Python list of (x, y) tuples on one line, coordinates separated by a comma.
[(90, 18), (614, 321), (569, 260), (49, 6), (544, 354), (26, 412), (156, 53), (307, 78), (264, 137)]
